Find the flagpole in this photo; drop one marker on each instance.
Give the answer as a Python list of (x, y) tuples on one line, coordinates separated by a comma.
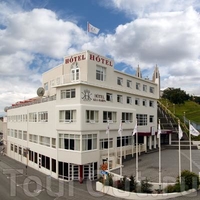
[(121, 150), (108, 146), (159, 158), (190, 148), (136, 157), (179, 152)]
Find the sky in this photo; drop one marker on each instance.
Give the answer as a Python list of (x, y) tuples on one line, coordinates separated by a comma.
[(35, 35)]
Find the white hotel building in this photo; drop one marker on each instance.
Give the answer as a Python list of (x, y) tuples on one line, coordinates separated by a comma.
[(64, 132)]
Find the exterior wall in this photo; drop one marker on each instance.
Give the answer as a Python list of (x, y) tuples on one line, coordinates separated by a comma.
[(90, 94)]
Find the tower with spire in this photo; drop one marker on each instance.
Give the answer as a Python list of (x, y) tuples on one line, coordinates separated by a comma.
[(156, 78)]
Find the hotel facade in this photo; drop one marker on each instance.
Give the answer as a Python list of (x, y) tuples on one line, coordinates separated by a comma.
[(63, 132)]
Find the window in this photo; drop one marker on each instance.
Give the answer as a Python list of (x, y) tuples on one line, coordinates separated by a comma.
[(33, 117), (119, 81), (20, 151), (100, 73), (52, 83), (129, 100), (53, 142), (46, 86), (43, 116), (137, 86), (15, 148), (119, 98), (20, 135), (151, 103), (127, 117), (92, 116), (145, 88), (151, 89), (129, 83), (89, 142), (15, 134), (75, 72), (33, 138), (141, 119), (137, 101), (69, 142), (67, 116), (112, 116), (45, 141), (11, 147), (126, 140), (151, 118), (25, 118), (53, 165), (104, 143), (66, 94), (144, 102), (24, 135), (24, 152), (109, 97)]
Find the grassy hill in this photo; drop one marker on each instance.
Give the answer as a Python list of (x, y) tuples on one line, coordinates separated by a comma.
[(191, 109)]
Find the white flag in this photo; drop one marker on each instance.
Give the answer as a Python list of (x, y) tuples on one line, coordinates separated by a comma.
[(159, 131), (180, 132), (120, 128), (135, 129), (152, 130), (108, 128), (193, 131), (93, 29)]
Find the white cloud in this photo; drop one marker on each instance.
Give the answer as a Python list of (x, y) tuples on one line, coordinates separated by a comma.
[(142, 7), (166, 33)]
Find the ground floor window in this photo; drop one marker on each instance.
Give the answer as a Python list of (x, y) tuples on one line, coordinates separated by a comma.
[(126, 140), (104, 143)]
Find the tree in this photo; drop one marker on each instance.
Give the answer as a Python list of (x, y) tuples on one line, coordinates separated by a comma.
[(175, 95)]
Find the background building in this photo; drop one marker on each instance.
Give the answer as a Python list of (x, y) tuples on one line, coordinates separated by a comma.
[(63, 131)]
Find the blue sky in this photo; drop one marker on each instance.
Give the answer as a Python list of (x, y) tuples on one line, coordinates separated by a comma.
[(35, 35)]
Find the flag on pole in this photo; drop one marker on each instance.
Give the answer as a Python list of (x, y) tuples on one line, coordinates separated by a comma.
[(120, 128), (135, 129), (180, 132), (193, 131), (92, 29), (108, 127), (152, 130), (159, 130)]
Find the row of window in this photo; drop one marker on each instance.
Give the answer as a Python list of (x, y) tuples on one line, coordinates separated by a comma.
[(72, 142), (138, 86), (35, 157), (17, 134), (92, 116), (33, 117), (71, 93)]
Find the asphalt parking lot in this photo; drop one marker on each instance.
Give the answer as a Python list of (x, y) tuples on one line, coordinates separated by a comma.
[(25, 186)]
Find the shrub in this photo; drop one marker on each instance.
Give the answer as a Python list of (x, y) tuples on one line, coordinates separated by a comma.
[(170, 189), (189, 180), (133, 183), (109, 180), (146, 186)]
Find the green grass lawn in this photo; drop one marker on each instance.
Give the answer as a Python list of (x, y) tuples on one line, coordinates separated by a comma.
[(190, 109)]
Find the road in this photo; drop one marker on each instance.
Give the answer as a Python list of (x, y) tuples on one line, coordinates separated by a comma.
[(19, 184)]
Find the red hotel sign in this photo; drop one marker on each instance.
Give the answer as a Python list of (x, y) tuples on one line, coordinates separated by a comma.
[(91, 56)]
